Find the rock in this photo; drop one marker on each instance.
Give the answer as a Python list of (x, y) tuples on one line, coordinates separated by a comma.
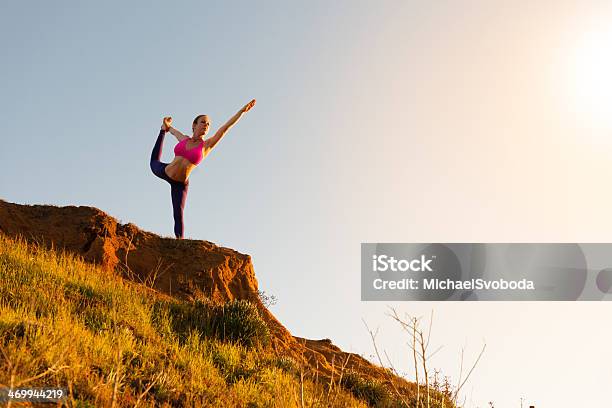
[(185, 269)]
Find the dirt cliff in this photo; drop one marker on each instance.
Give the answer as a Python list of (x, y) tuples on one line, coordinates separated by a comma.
[(185, 269)]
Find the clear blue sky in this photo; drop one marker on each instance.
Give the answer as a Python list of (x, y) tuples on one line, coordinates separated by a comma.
[(395, 121)]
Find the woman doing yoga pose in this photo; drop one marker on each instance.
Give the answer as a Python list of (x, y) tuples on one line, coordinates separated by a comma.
[(189, 152)]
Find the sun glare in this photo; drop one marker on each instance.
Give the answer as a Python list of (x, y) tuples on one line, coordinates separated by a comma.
[(592, 80)]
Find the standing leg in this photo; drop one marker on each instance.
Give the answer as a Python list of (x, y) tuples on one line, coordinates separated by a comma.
[(157, 167), (179, 195)]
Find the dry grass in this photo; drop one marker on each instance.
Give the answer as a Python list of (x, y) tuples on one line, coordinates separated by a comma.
[(112, 342)]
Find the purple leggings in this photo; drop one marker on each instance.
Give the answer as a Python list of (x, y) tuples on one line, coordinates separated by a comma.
[(178, 190)]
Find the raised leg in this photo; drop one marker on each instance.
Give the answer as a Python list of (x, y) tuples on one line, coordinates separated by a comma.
[(157, 167)]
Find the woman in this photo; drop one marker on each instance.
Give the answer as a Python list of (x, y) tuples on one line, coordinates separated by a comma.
[(189, 152)]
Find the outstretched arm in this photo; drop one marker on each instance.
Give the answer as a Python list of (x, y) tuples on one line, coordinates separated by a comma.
[(227, 126), (167, 126)]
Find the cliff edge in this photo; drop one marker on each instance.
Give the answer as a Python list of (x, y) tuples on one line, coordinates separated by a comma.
[(184, 269)]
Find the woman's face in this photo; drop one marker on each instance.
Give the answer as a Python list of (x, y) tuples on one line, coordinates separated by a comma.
[(201, 127)]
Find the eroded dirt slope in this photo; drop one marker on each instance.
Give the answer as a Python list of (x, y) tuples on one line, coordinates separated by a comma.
[(185, 269)]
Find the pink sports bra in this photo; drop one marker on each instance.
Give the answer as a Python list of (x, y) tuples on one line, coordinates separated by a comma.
[(194, 155)]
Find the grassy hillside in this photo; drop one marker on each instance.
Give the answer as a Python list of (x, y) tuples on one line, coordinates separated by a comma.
[(112, 342)]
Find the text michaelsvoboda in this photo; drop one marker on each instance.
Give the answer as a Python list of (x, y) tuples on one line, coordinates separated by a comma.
[(448, 284)]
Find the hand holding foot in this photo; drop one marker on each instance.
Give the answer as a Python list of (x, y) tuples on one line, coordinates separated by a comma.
[(167, 123)]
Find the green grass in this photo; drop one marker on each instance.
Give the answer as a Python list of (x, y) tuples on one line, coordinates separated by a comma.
[(373, 392), (109, 340)]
